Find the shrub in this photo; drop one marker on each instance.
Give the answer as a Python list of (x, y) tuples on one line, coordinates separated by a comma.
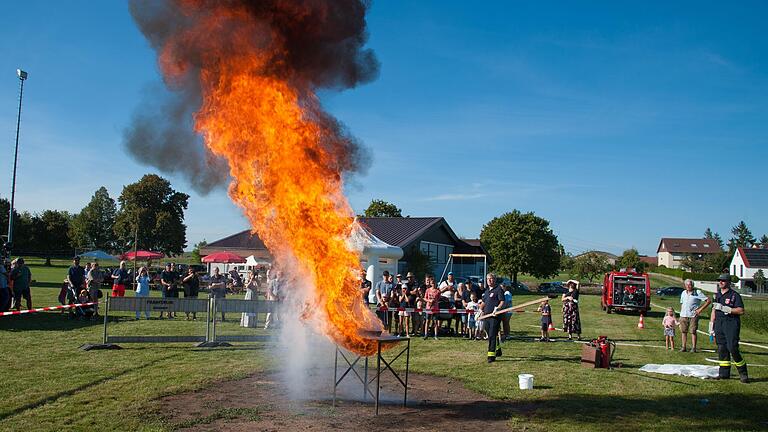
[(756, 318)]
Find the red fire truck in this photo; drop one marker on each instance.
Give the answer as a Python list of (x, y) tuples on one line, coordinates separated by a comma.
[(626, 290)]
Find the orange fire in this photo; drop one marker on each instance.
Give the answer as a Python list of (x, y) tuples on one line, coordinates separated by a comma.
[(284, 158)]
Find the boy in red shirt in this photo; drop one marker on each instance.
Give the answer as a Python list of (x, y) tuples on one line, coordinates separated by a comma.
[(431, 296)]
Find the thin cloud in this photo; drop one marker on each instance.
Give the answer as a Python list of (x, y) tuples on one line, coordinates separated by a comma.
[(455, 197)]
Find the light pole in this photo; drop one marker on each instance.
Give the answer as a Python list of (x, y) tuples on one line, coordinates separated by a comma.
[(22, 77)]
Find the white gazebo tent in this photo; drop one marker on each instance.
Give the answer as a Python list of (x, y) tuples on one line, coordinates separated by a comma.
[(376, 254), (251, 262)]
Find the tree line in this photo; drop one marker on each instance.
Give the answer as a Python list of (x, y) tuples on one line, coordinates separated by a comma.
[(524, 243), (148, 213)]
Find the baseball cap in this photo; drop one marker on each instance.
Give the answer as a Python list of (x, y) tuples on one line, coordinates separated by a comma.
[(724, 277)]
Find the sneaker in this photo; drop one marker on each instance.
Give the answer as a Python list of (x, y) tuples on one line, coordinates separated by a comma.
[(435, 337), (693, 350), (426, 337), (683, 349), (498, 352)]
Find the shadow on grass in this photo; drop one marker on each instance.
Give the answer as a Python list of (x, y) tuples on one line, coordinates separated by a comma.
[(85, 386), (37, 284), (537, 358), (703, 411), (47, 321)]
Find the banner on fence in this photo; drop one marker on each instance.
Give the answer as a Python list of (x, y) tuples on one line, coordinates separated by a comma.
[(154, 304)]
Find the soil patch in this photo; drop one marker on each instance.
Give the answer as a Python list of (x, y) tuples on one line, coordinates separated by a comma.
[(260, 403)]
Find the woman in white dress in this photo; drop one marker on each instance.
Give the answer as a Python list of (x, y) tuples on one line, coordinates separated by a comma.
[(251, 293)]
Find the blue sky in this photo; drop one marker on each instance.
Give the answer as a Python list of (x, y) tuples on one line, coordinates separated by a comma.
[(619, 123)]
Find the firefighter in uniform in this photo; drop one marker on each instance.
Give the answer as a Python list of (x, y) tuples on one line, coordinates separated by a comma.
[(726, 318), (493, 300)]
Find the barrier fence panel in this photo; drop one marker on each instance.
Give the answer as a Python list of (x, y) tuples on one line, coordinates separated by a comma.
[(226, 305), (153, 304)]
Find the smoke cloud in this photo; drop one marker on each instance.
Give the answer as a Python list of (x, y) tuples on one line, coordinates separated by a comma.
[(313, 44)]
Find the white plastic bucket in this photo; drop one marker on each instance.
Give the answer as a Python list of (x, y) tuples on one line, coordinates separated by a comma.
[(526, 381)]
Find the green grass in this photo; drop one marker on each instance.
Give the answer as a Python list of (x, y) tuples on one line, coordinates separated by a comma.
[(48, 384)]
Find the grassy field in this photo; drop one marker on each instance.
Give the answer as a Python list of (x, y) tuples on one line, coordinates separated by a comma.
[(48, 384)]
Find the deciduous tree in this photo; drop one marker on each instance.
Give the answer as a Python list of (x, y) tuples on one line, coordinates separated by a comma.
[(154, 211), (94, 226), (589, 265), (521, 243), (381, 208), (631, 259), (196, 251), (50, 233)]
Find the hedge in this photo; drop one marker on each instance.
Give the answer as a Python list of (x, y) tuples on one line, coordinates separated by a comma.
[(682, 274), (756, 319)]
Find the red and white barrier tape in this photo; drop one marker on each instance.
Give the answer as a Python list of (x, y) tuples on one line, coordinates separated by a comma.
[(49, 308), (453, 311)]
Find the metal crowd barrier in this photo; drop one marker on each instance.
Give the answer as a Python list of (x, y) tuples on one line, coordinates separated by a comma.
[(225, 305), (182, 305), (154, 304)]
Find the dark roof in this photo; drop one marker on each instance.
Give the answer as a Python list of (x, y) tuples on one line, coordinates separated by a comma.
[(754, 258), (470, 246), (399, 231), (688, 245), (242, 240), (652, 260)]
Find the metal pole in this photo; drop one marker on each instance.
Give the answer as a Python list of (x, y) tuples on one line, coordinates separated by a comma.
[(22, 77), (214, 319), (208, 322), (407, 363), (335, 373), (365, 380), (106, 315), (378, 375), (135, 248)]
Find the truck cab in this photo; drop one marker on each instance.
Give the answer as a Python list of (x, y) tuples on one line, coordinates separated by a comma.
[(626, 290)]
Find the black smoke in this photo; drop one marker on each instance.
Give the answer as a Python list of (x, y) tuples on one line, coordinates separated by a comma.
[(313, 44)]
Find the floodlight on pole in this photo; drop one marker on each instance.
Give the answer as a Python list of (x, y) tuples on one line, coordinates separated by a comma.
[(22, 77)]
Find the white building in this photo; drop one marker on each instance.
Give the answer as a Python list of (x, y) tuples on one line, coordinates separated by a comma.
[(672, 251), (745, 263)]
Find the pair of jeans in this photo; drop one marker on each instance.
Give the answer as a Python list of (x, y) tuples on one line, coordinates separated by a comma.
[(146, 312)]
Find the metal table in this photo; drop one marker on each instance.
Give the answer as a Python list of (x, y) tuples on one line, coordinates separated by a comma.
[(387, 339)]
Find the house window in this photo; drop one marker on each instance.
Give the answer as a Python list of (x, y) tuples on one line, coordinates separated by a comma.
[(741, 270), (734, 269), (706, 245), (438, 252), (693, 245)]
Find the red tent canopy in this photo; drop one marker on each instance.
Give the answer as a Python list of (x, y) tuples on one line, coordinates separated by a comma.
[(223, 257), (141, 255)]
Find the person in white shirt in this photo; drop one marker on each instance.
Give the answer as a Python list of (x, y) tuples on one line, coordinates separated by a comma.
[(447, 292), (692, 302)]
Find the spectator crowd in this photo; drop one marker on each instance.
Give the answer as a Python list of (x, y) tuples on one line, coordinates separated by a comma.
[(409, 308)]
